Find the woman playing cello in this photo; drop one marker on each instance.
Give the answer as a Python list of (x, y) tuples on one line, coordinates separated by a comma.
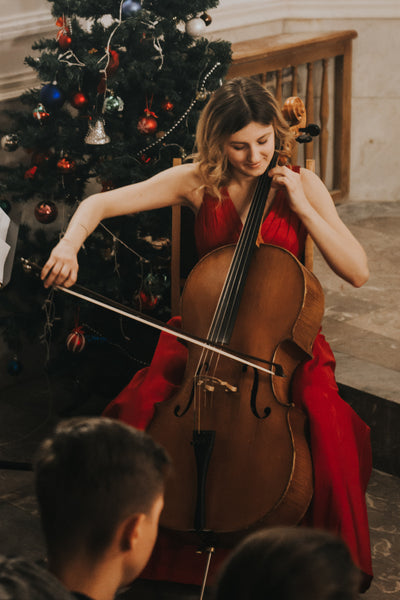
[(237, 135)]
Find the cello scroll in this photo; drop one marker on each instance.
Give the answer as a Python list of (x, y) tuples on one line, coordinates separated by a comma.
[(294, 111)]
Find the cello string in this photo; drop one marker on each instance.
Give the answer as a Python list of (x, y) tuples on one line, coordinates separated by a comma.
[(225, 299), (219, 318), (231, 283), (237, 271), (227, 304), (246, 242), (235, 276)]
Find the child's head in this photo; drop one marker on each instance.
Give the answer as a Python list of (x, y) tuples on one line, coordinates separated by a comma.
[(91, 475), (289, 563)]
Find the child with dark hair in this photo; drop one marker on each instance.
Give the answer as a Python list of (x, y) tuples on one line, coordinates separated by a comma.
[(286, 563), (100, 489)]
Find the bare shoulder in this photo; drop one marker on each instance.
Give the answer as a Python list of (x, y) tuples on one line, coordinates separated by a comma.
[(314, 188), (188, 180), (309, 177), (187, 172)]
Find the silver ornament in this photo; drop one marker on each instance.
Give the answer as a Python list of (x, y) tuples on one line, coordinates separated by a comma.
[(10, 142), (195, 27), (113, 104), (96, 136)]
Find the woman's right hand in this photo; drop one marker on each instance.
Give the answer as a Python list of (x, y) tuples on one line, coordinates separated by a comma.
[(62, 265)]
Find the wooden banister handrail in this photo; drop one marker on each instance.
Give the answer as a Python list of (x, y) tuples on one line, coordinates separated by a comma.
[(287, 49)]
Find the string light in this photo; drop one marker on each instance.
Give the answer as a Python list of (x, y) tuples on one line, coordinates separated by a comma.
[(196, 99)]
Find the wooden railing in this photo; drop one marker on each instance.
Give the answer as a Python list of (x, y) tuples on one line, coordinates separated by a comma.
[(318, 69)]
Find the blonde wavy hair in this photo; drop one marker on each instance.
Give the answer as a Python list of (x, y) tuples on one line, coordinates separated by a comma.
[(234, 105)]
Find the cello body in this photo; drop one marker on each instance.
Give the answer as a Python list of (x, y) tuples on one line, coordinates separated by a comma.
[(240, 455)]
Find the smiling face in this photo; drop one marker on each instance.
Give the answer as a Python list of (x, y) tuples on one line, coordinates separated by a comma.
[(250, 150)]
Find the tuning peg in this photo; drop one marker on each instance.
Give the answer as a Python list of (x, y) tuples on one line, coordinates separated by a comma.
[(312, 129), (304, 138)]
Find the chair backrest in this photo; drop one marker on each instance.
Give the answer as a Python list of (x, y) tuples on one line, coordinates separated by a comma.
[(183, 252)]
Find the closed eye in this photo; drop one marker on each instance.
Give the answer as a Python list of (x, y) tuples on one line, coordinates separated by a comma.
[(260, 142)]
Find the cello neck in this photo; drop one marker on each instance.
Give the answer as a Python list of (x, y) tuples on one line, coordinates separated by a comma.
[(225, 315)]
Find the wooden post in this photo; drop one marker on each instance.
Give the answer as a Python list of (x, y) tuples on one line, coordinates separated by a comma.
[(309, 148), (324, 116), (278, 89)]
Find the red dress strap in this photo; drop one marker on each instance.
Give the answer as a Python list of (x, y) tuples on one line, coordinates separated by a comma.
[(218, 223)]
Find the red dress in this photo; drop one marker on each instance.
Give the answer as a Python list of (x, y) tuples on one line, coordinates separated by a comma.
[(340, 442)]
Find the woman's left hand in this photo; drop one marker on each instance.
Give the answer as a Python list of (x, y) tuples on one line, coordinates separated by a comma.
[(291, 181)]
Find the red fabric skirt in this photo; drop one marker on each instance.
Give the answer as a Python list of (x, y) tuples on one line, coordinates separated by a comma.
[(340, 449)]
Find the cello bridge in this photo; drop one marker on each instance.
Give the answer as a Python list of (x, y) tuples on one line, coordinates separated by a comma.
[(209, 383)]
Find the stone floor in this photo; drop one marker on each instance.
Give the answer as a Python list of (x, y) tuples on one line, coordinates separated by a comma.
[(363, 327), (363, 324)]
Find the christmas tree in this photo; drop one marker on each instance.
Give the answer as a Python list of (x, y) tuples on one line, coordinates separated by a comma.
[(121, 87)]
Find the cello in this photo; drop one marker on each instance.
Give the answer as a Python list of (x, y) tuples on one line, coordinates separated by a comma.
[(237, 442)]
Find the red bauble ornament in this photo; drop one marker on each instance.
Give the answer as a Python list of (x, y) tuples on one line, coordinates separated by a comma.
[(79, 100), (148, 123), (66, 165), (46, 212), (64, 40), (30, 173), (76, 340), (148, 301), (167, 105)]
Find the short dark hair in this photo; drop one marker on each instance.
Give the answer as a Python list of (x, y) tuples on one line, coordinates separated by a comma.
[(289, 563), (90, 475)]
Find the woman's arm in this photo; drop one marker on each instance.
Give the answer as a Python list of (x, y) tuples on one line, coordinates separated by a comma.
[(310, 199), (177, 185)]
